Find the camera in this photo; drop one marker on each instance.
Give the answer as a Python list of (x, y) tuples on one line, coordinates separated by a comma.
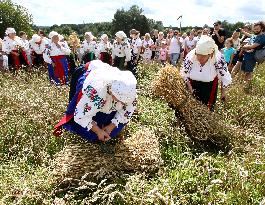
[(238, 30)]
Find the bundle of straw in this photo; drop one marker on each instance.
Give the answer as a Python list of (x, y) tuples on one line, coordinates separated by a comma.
[(74, 41), (139, 152), (198, 120)]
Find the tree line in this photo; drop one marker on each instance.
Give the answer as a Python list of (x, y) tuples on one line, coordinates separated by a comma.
[(17, 16)]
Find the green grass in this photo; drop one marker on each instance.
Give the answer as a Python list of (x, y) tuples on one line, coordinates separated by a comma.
[(192, 174)]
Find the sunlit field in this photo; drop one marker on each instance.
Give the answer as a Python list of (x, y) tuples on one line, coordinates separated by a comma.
[(191, 172)]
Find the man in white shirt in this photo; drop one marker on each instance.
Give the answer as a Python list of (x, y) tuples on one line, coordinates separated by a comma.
[(175, 48)]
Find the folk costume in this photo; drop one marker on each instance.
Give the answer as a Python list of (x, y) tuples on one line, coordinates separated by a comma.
[(37, 46), (88, 48), (94, 102), (13, 47), (121, 51), (136, 45), (104, 50), (204, 79), (55, 56)]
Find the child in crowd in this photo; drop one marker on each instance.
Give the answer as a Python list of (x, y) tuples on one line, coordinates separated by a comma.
[(163, 52), (229, 53)]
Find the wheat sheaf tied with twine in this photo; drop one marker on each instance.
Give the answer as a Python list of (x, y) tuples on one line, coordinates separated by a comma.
[(139, 152), (198, 120)]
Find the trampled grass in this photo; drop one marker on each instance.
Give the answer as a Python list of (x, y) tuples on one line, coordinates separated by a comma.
[(192, 173)]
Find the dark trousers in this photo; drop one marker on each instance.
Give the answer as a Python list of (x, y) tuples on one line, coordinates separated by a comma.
[(119, 63)]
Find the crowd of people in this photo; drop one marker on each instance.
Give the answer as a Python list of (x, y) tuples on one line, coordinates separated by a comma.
[(103, 86)]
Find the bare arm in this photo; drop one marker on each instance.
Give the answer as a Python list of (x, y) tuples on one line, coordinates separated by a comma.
[(250, 47)]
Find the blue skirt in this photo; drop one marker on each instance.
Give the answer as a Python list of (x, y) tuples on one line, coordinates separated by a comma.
[(102, 119), (59, 74)]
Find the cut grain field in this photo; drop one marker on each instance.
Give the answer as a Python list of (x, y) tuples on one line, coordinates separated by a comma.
[(161, 163)]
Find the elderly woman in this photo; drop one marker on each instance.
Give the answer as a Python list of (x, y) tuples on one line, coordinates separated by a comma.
[(121, 51), (37, 45), (202, 69), (104, 49), (13, 47), (55, 55), (88, 48), (148, 44), (105, 100)]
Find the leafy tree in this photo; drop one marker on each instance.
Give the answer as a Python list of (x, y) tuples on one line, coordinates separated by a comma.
[(16, 16), (230, 27), (133, 18)]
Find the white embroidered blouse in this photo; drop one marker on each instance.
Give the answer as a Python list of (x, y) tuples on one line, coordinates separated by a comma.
[(10, 45), (136, 43), (90, 46), (96, 98), (216, 66), (121, 50), (52, 50), (39, 48)]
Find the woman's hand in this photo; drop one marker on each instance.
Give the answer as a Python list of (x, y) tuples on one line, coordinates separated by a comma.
[(109, 128), (189, 86), (103, 135)]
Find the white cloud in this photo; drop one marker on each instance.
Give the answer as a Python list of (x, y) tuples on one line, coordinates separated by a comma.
[(195, 12)]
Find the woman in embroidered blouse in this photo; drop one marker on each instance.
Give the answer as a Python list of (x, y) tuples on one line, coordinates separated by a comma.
[(121, 51), (88, 48), (202, 69), (37, 45), (147, 45), (105, 100), (104, 49), (55, 55), (13, 47)]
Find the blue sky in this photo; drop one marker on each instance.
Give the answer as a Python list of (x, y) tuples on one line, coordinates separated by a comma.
[(195, 12)]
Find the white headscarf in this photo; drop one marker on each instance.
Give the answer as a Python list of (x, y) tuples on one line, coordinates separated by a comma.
[(61, 37), (89, 34), (52, 34), (206, 46), (122, 83), (124, 87), (103, 36), (121, 35), (10, 31), (35, 38)]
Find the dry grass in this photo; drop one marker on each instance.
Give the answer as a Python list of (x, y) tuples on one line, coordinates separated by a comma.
[(139, 152), (29, 108)]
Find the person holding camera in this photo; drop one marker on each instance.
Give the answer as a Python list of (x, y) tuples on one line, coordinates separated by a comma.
[(218, 35)]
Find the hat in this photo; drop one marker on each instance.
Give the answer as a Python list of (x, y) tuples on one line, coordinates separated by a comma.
[(103, 36), (217, 23), (52, 34), (134, 31), (36, 38), (10, 30), (89, 34), (124, 87), (61, 37), (121, 35), (206, 46)]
